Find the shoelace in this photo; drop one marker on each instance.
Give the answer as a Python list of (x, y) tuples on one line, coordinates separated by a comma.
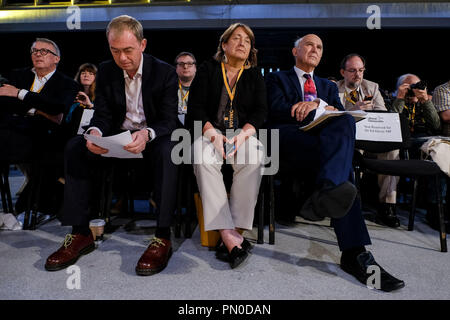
[(68, 240), (156, 242)]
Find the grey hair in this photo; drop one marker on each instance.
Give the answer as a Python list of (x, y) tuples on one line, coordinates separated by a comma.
[(403, 77), (297, 42), (58, 53)]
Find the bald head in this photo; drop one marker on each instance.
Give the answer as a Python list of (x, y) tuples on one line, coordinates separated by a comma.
[(308, 52)]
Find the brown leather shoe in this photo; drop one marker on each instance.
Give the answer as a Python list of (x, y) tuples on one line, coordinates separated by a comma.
[(155, 258), (73, 247)]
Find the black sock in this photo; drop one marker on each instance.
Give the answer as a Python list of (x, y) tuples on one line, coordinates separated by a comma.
[(83, 230), (163, 233), (352, 253)]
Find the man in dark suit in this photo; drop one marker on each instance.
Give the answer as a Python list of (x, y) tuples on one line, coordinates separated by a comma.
[(296, 97), (135, 92), (32, 104)]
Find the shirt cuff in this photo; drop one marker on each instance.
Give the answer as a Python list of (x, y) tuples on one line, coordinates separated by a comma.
[(152, 134), (31, 112), (22, 94), (321, 108), (95, 128)]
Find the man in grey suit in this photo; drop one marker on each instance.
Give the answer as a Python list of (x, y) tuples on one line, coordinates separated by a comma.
[(357, 93)]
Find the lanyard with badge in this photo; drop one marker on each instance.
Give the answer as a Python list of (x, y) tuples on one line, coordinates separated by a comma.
[(229, 119), (184, 96)]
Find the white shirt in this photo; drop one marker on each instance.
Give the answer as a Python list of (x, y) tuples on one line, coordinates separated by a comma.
[(135, 116), (37, 86), (322, 104)]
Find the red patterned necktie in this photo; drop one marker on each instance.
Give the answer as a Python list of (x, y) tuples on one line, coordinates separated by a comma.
[(310, 93)]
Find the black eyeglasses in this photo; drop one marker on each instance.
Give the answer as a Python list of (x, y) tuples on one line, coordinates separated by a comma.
[(188, 64), (42, 51)]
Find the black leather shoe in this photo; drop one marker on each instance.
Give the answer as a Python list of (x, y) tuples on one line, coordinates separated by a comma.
[(387, 216), (359, 269), (237, 256), (330, 201), (222, 252)]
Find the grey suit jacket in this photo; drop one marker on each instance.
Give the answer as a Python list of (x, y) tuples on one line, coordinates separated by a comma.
[(368, 88)]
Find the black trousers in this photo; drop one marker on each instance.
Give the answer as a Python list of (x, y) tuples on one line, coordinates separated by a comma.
[(80, 163)]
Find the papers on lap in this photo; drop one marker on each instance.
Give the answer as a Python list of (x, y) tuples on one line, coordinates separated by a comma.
[(327, 115), (115, 145)]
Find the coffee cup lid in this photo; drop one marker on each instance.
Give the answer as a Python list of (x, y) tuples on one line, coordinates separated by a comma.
[(97, 223)]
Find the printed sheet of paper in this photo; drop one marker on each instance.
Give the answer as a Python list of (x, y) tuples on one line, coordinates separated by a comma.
[(383, 126), (85, 119), (115, 145), (325, 116)]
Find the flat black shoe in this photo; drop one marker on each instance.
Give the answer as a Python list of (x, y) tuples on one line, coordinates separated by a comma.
[(222, 251), (332, 201), (359, 269), (237, 256), (387, 215)]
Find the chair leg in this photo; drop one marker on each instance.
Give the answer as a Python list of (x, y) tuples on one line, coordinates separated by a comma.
[(3, 189), (261, 213), (36, 194), (413, 207), (442, 231), (189, 207), (272, 211), (179, 205)]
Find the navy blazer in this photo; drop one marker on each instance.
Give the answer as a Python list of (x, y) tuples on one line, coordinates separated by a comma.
[(284, 90), (159, 96)]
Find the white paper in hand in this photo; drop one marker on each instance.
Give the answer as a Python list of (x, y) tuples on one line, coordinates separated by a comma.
[(115, 145)]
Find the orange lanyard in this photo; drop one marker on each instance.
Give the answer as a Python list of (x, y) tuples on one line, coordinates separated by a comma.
[(181, 92), (32, 86), (231, 93)]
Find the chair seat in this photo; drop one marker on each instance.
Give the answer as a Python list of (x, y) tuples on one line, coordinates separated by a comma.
[(402, 167)]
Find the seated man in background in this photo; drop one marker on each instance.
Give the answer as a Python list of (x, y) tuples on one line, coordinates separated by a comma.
[(357, 93), (296, 97), (32, 106), (186, 67), (412, 101), (441, 101)]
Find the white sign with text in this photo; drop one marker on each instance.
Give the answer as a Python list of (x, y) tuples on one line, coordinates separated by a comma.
[(379, 127)]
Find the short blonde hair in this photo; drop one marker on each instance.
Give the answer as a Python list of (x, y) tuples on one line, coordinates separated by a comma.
[(125, 22), (220, 54)]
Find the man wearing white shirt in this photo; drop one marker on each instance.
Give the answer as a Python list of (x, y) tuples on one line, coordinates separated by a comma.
[(325, 154), (135, 92), (33, 103)]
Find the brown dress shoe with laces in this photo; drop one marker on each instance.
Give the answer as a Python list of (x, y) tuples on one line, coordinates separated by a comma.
[(155, 258), (74, 246)]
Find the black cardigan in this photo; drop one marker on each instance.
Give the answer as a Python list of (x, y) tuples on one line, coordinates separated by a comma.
[(206, 89)]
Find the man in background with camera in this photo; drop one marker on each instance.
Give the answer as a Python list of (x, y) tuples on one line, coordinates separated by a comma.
[(357, 93), (412, 101)]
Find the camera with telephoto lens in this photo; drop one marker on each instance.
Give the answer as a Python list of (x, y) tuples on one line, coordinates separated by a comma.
[(421, 85)]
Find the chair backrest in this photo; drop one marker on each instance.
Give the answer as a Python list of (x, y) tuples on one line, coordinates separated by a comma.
[(383, 146)]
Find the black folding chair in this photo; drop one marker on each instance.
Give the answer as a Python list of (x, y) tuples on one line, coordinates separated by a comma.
[(405, 167)]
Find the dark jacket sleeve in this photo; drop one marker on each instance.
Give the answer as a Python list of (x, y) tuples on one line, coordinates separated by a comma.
[(56, 96), (281, 97), (102, 117), (163, 113), (257, 115), (198, 96)]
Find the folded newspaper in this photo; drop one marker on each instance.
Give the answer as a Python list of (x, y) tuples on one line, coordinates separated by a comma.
[(325, 116)]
